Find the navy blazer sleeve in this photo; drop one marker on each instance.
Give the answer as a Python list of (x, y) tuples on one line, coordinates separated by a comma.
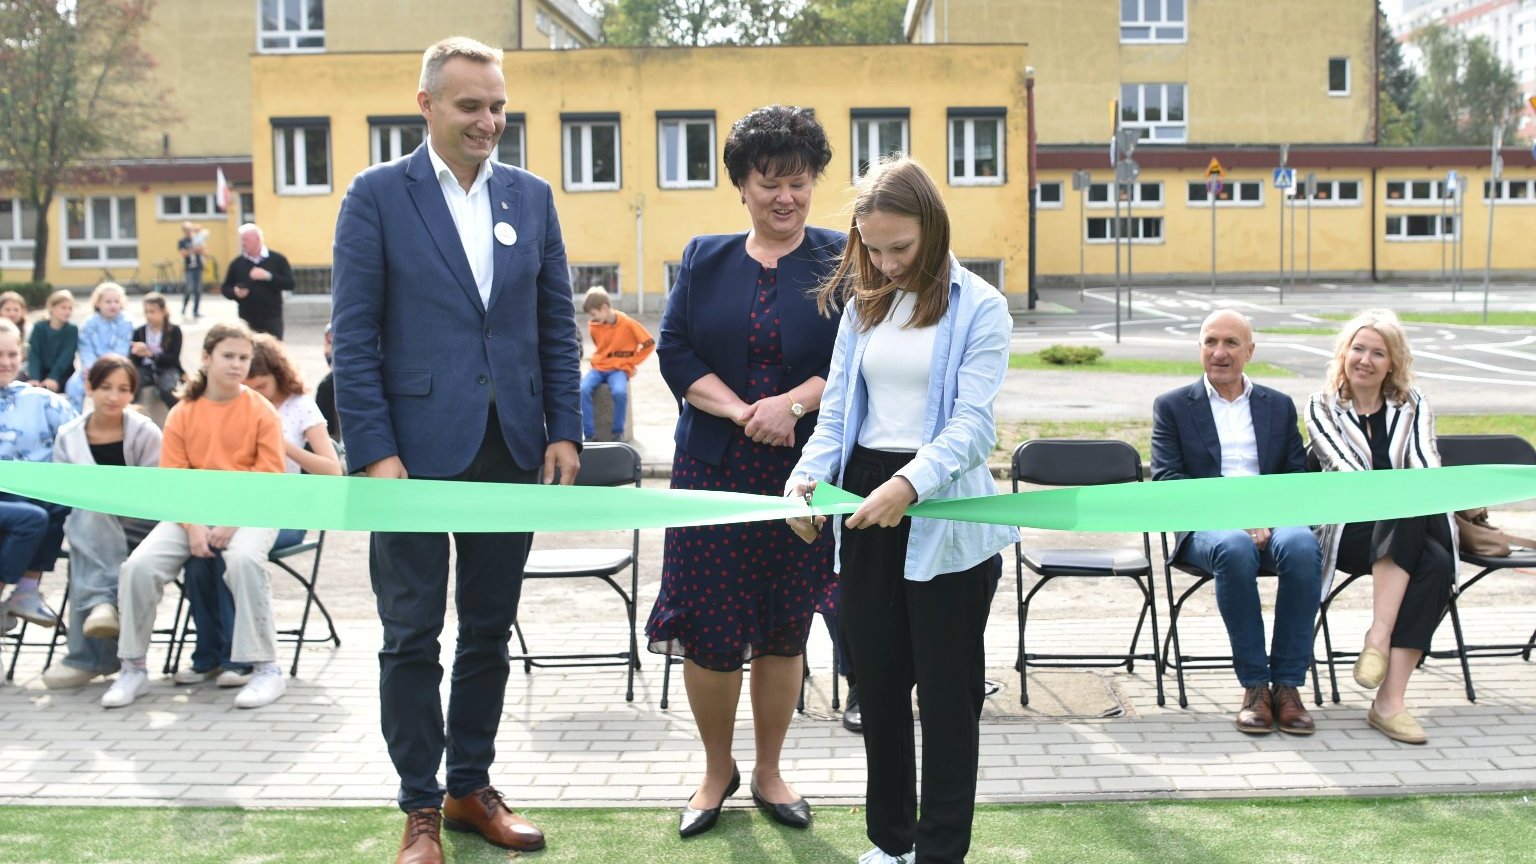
[(1295, 453), (559, 340), (357, 314), (1167, 451)]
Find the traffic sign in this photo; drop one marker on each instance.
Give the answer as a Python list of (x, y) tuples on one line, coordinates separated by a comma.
[(1127, 172), (1215, 169), (1311, 185), (1498, 167), (1213, 187), (1285, 178), (1081, 180)]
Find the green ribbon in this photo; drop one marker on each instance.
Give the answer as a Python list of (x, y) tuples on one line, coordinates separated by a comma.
[(364, 504)]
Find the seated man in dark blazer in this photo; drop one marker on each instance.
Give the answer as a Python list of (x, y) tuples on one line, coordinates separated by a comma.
[(1224, 425)]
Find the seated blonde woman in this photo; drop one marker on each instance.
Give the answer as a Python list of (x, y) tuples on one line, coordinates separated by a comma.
[(1371, 418)]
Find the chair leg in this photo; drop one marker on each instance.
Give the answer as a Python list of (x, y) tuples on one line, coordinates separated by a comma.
[(1157, 664), (837, 703), (1529, 645), (522, 648), (1333, 673), (60, 632), (180, 627), (1024, 623), (21, 636), (1461, 651), (634, 641), (666, 678), (805, 664), (1174, 608)]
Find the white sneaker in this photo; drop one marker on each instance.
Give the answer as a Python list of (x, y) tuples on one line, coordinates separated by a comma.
[(880, 856), (30, 607), (266, 687), (130, 685), (103, 622), (62, 677), (192, 676), (234, 678), (7, 623)]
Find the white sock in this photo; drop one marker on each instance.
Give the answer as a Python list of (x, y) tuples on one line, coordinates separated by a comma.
[(27, 585), (268, 669), (135, 663)]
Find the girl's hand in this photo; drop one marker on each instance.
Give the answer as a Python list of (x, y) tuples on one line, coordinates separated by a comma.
[(218, 538), (197, 541), (771, 423), (51, 384), (807, 528), (885, 506)]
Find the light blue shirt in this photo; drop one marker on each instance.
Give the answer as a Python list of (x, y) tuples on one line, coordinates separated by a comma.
[(970, 358), (30, 418), (100, 336)]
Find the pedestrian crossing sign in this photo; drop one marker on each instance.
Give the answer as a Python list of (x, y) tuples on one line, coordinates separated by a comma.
[(1285, 178)]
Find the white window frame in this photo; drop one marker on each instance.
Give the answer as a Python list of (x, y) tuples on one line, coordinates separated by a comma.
[(681, 124), (302, 186), (1348, 78), (1402, 236), (1002, 269), (290, 37), (1140, 222), (1409, 199), (867, 127), (1332, 187), (585, 183), (184, 201), (113, 240), (1061, 193), (1502, 194), (517, 127), (965, 125), (1163, 29), (669, 272), (1162, 131), (377, 133), (1137, 198), (1231, 186), (581, 278), (12, 248)]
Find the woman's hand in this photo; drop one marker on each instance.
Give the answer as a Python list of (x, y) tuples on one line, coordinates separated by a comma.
[(218, 538), (885, 506), (807, 528), (49, 384), (197, 541), (771, 423), (139, 349)]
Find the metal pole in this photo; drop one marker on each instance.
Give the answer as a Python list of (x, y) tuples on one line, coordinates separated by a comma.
[(640, 256), (1293, 242), (1115, 191), (1493, 197), (1280, 193), (1443, 238), (1213, 237), (1082, 241), (1130, 253), (1309, 239), (1034, 184)]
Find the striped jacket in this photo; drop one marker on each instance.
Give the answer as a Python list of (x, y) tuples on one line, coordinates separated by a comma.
[(1339, 445)]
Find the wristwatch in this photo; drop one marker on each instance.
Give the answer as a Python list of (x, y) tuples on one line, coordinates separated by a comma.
[(795, 408)]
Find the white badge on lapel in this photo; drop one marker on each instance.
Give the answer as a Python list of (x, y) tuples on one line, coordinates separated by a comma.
[(506, 235)]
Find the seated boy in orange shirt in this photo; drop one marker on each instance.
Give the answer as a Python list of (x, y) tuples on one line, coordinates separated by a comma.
[(619, 344)]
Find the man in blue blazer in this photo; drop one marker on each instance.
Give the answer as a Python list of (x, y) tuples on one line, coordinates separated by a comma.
[(1224, 425), (456, 358)]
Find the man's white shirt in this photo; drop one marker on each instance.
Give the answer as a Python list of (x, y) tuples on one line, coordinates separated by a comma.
[(1234, 429), (471, 213)]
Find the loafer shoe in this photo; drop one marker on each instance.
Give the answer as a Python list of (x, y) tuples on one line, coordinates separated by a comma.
[(266, 687), (692, 822), (235, 677), (193, 676), (853, 714), (130, 685), (1399, 727), (103, 622), (62, 677), (30, 608), (1370, 668), (795, 814), (485, 812)]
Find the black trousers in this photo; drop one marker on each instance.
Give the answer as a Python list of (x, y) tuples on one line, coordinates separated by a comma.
[(902, 634), (410, 580), (1420, 545)]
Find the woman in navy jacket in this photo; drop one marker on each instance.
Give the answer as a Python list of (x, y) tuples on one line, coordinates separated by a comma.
[(746, 354)]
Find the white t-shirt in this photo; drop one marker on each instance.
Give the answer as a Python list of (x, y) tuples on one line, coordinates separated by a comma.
[(298, 414), (898, 362)]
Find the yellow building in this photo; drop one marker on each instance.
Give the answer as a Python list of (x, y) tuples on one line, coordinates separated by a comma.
[(631, 143)]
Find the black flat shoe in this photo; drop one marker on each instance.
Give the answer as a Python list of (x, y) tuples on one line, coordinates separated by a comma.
[(795, 814), (853, 715), (691, 822)]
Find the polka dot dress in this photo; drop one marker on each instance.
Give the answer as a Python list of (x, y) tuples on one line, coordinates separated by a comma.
[(733, 592)]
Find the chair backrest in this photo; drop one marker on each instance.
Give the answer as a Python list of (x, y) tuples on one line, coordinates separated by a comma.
[(609, 463), (1485, 450), (1075, 462)]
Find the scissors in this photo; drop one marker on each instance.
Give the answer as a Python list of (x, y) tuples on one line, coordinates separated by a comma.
[(814, 524)]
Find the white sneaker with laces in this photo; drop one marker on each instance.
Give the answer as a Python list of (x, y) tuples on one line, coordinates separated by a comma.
[(130, 685), (103, 622), (192, 676), (880, 856), (234, 678), (30, 607), (266, 687)]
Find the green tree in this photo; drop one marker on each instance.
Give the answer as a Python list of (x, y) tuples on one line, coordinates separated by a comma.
[(1395, 86), (1464, 91), (848, 22), (74, 85), (695, 22)]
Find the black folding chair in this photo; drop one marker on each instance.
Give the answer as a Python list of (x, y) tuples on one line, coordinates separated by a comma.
[(1057, 462), (610, 463)]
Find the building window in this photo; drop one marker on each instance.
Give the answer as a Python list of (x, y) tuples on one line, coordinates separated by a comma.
[(18, 232), (1416, 191), (1048, 195), (685, 148), (392, 137), (591, 152), (302, 162), (1238, 193), (291, 26), (1338, 76), (976, 147), (178, 207), (669, 273), (512, 149), (1144, 194), (877, 133), (1156, 109), (605, 276), (541, 20), (100, 230), (1336, 193), (1511, 191), (1152, 21), (1142, 229), (247, 207), (1420, 227), (989, 269)]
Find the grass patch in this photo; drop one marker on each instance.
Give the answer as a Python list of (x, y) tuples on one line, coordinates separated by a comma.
[(1470, 829), (1137, 366), (1471, 319)]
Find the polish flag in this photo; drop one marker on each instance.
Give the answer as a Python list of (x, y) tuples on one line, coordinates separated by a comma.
[(221, 192)]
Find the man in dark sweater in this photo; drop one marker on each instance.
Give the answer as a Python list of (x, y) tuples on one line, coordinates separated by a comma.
[(256, 280)]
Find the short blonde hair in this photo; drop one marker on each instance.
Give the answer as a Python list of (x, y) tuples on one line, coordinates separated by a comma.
[(8, 327), (1399, 378), (60, 296), (436, 57), (104, 289)]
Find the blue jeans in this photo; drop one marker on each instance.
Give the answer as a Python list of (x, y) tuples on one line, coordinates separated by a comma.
[(31, 535), (212, 605), (192, 290), (1234, 560), (618, 387)]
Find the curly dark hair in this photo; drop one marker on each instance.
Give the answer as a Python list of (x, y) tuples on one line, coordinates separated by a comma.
[(777, 140)]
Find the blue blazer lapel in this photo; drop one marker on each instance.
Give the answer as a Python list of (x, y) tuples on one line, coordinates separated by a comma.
[(1200, 406), (428, 196), (1262, 410), (504, 208)]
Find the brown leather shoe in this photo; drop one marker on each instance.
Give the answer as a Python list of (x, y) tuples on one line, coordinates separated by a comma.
[(423, 842), (486, 813), (1257, 716), (1290, 714)]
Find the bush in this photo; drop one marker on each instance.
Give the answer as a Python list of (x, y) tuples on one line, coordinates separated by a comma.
[(35, 292), (1071, 355)]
